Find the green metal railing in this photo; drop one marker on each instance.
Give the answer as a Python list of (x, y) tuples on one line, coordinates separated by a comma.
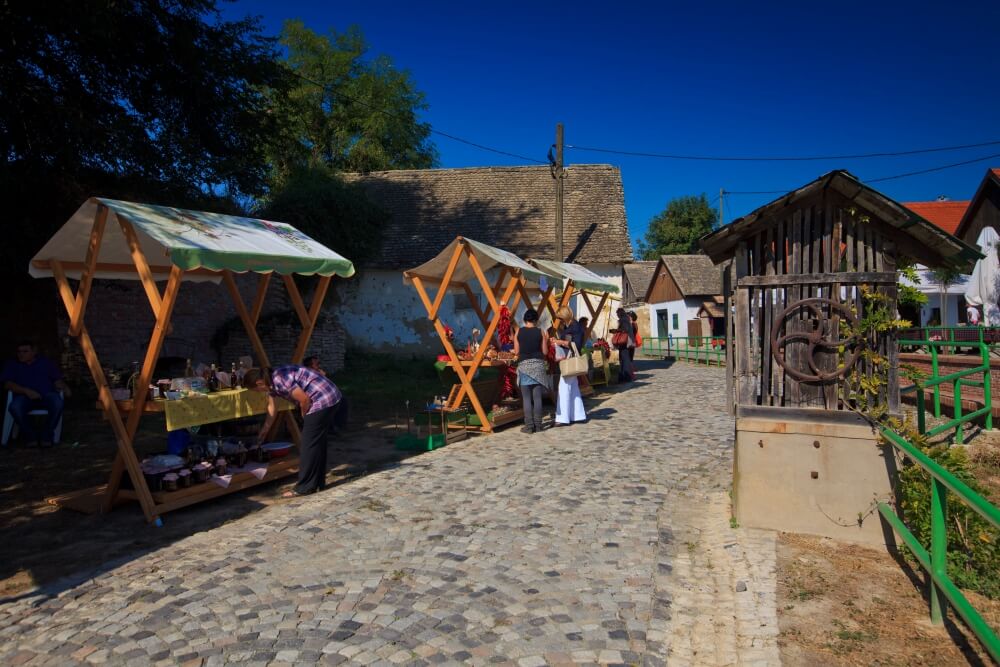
[(957, 381), (943, 590), (696, 349), (961, 337)]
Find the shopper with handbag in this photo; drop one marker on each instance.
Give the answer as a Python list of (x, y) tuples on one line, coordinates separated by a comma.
[(569, 404), (623, 339), (531, 344)]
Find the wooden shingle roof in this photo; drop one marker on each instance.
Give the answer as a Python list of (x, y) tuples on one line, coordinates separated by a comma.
[(695, 275), (639, 275), (508, 207)]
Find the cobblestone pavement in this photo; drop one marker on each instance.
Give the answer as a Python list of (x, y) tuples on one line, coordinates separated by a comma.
[(605, 542)]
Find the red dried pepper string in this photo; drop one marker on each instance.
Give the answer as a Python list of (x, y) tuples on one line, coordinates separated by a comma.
[(503, 326)]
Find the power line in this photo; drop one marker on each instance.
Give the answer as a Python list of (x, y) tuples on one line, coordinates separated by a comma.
[(927, 171), (809, 158), (433, 131), (876, 180)]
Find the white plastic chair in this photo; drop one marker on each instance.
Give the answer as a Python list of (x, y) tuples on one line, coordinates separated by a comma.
[(10, 426)]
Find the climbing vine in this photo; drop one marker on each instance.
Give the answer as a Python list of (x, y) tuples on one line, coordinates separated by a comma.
[(973, 544)]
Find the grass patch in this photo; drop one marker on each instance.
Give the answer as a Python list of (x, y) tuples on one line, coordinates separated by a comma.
[(378, 385)]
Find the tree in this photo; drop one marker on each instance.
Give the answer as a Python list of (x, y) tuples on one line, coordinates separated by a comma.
[(344, 111), (337, 214), (676, 230), (147, 99)]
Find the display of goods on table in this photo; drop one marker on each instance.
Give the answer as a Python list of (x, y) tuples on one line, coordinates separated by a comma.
[(209, 461)]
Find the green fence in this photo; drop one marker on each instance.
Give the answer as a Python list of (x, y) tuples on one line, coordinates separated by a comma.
[(935, 562), (961, 337), (957, 380), (697, 349)]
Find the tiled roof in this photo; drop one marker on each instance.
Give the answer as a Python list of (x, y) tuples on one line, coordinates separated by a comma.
[(695, 275), (508, 207), (944, 214), (639, 275)]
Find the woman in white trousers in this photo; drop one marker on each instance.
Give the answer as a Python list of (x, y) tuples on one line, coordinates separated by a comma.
[(569, 404)]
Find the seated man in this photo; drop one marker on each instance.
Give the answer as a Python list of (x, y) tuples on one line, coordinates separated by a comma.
[(35, 383)]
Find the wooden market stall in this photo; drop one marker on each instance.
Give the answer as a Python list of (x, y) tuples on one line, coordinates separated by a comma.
[(577, 279), (122, 240), (505, 280)]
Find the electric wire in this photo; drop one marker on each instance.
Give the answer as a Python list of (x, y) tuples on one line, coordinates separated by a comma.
[(881, 179), (785, 158)]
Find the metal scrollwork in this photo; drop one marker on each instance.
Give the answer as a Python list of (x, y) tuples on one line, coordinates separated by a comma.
[(816, 340)]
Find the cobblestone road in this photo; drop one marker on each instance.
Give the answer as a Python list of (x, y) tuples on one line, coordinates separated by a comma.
[(607, 542)]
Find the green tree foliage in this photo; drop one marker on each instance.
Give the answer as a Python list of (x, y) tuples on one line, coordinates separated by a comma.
[(676, 230), (159, 100), (337, 214), (361, 117)]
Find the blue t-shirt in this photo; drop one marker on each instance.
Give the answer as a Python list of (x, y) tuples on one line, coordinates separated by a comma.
[(574, 331), (40, 375)]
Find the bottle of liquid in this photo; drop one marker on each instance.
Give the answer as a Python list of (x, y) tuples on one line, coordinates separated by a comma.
[(189, 370), (213, 380), (132, 379)]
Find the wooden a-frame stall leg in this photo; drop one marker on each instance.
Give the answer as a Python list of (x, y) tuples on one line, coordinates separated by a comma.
[(466, 371), (162, 306)]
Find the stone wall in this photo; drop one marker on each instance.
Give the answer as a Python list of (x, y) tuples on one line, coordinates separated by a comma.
[(280, 333)]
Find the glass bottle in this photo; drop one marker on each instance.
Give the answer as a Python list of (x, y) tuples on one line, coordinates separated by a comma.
[(189, 370)]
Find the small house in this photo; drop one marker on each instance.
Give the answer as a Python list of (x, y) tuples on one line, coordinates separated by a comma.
[(684, 297)]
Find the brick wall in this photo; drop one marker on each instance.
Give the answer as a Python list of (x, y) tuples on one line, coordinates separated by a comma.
[(954, 363), (120, 321)]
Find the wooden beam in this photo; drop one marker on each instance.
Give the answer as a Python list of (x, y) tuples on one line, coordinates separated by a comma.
[(141, 265), (445, 279), (260, 298), (596, 315), (112, 267), (856, 278), (464, 378), (248, 324), (87, 278), (296, 298), (314, 311), (481, 277), (104, 393)]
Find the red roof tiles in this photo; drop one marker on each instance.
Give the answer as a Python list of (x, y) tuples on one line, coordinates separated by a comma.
[(944, 214)]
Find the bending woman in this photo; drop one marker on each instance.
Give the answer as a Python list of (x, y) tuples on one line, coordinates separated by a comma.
[(569, 406), (531, 344)]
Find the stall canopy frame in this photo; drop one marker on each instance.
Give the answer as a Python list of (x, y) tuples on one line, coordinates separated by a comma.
[(583, 280), (186, 246), (516, 280)]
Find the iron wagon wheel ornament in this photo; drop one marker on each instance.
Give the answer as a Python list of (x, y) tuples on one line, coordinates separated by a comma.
[(816, 339)]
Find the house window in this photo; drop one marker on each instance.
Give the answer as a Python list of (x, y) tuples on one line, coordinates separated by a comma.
[(675, 321)]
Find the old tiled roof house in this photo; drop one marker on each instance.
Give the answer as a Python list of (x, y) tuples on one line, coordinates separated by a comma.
[(508, 207)]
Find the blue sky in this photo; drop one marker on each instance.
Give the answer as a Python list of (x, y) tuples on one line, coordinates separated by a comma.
[(718, 79)]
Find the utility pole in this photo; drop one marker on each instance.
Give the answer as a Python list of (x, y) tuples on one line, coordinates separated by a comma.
[(557, 173), (722, 193)]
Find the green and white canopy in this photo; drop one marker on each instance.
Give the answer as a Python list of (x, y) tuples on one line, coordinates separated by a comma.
[(490, 259), (196, 241), (582, 277)]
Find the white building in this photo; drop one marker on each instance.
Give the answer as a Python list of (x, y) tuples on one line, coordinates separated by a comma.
[(685, 297), (512, 208)]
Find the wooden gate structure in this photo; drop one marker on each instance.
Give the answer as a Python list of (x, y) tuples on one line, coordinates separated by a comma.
[(795, 271), (122, 240), (505, 280)]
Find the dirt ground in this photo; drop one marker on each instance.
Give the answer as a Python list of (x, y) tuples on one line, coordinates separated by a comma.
[(841, 604)]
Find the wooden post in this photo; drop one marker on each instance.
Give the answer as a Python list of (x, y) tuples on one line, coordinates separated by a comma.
[(124, 442), (314, 311), (87, 277)]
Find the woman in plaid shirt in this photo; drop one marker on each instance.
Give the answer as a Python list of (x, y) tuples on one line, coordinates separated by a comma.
[(318, 399)]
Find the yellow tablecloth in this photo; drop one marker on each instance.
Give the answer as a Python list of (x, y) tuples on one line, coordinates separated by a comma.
[(217, 407)]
